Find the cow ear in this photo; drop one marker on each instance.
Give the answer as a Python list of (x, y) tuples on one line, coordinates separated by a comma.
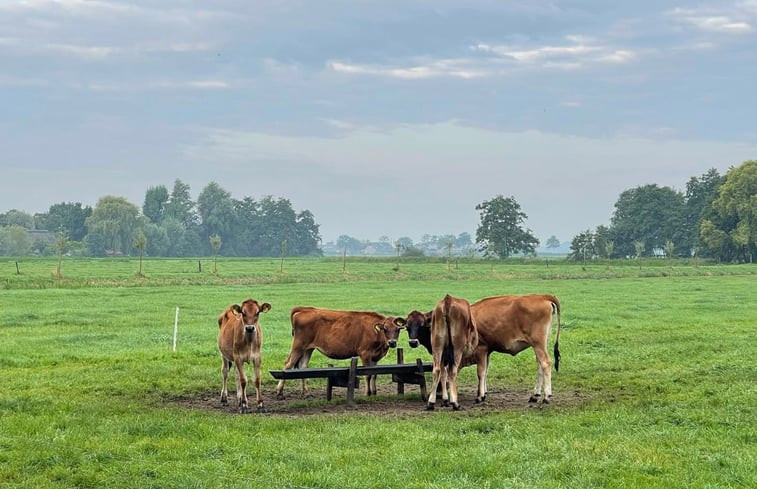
[(236, 308), (378, 327), (265, 307), (400, 322)]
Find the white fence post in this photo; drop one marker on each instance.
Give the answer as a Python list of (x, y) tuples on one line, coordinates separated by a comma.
[(175, 328)]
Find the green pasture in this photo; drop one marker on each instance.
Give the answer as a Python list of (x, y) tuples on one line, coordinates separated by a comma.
[(661, 359)]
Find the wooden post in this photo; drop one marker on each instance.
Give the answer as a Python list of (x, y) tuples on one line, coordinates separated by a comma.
[(329, 384), (18, 272), (351, 382), (400, 360)]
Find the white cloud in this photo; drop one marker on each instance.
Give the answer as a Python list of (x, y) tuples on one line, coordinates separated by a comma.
[(449, 68), (710, 20), (582, 52)]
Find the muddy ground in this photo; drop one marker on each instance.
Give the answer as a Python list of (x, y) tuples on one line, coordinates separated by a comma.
[(387, 401)]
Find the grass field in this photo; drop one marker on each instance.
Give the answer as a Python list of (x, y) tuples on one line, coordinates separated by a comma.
[(657, 385)]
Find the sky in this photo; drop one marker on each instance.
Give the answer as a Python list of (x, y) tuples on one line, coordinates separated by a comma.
[(383, 118)]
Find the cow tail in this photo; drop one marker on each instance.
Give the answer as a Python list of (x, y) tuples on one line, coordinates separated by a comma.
[(556, 308), (449, 352)]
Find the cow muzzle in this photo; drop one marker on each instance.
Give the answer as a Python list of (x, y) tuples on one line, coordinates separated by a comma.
[(413, 343), (392, 343), (249, 328)]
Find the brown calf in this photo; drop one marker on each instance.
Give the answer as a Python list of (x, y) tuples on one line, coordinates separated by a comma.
[(340, 335), (453, 336), (239, 340)]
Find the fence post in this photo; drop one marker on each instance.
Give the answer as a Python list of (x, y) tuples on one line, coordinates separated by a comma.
[(175, 328)]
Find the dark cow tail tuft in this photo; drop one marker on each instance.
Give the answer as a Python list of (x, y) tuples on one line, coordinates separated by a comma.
[(557, 357), (449, 352)]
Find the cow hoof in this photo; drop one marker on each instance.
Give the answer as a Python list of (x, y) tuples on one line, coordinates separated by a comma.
[(280, 397), (445, 403), (262, 409), (244, 410), (430, 406), (479, 400), (457, 407), (534, 398), (224, 402), (545, 400)]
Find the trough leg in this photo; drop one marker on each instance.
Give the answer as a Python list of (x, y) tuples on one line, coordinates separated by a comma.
[(351, 382)]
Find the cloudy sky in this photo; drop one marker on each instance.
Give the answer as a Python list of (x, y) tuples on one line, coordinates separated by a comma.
[(383, 118)]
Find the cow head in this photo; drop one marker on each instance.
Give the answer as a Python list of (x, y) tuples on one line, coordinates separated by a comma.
[(391, 328), (419, 329), (250, 311)]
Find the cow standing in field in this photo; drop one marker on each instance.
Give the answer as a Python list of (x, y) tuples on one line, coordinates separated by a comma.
[(505, 324), (340, 335), (239, 340), (453, 336)]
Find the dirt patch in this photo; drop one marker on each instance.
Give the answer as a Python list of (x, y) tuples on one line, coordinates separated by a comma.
[(387, 401)]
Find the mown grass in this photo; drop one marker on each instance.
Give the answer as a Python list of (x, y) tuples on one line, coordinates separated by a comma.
[(664, 365)]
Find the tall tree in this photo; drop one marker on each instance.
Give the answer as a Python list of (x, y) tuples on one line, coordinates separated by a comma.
[(217, 214), (582, 247), (733, 229), (553, 242), (68, 218), (116, 220), (647, 213), (501, 231), (700, 192), (180, 205), (156, 199)]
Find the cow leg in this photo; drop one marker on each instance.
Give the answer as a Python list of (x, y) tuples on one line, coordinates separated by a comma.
[(225, 365), (482, 369), (444, 386), (452, 375), (258, 395), (544, 381), (436, 375), (303, 363), (292, 359), (370, 380), (241, 387)]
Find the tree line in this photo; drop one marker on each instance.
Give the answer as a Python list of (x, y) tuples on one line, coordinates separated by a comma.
[(168, 224), (716, 217)]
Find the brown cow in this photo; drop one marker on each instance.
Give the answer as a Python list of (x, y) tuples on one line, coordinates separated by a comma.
[(239, 340), (340, 335), (506, 324), (453, 336)]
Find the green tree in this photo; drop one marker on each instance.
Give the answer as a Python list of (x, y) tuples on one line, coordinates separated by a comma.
[(582, 246), (553, 242), (215, 244), (217, 212), (15, 241), (501, 231), (601, 237), (156, 199), (68, 218), (639, 249), (60, 245), (180, 205), (140, 244), (116, 220), (15, 217), (731, 232), (700, 193), (648, 213)]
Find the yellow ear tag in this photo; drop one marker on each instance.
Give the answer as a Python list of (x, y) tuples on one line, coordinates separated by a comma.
[(377, 327)]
